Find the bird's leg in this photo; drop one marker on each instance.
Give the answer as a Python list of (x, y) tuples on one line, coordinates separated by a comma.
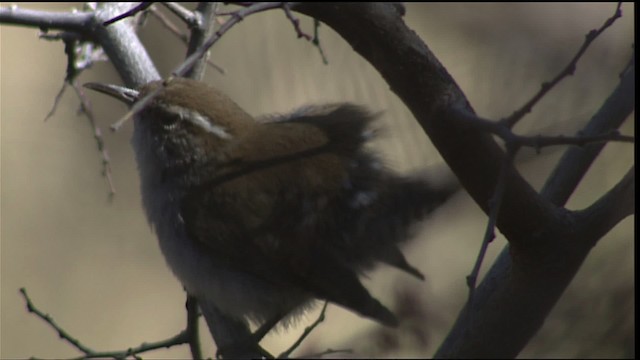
[(232, 336), (251, 342)]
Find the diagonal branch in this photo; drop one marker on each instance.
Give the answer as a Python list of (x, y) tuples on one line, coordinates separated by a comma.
[(567, 71), (609, 210), (513, 301), (499, 290), (169, 25), (192, 59), (199, 34), (144, 5), (378, 33), (576, 161)]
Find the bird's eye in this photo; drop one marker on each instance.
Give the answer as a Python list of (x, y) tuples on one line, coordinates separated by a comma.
[(170, 122), (169, 116)]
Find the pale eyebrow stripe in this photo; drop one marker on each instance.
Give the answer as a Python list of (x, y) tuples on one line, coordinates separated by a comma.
[(198, 119)]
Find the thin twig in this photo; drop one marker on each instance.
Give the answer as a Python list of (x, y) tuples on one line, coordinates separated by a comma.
[(190, 18), (87, 109), (326, 352), (568, 70), (295, 21), (306, 332), (79, 58), (206, 12), (575, 163), (70, 41), (287, 7), (316, 41), (56, 101), (193, 58), (489, 235), (88, 353), (131, 12), (178, 339), (167, 23), (236, 18), (537, 141), (49, 320)]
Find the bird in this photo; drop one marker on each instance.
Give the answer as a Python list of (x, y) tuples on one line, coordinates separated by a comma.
[(260, 216)]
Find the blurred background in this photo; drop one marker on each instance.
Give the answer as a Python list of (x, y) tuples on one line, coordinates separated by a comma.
[(93, 264)]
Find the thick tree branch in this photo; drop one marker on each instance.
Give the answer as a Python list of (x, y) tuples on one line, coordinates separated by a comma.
[(576, 161), (45, 20), (123, 47), (378, 33), (199, 34), (119, 40), (499, 299), (513, 301), (618, 203)]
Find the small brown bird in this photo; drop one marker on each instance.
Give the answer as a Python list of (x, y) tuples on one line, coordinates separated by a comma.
[(257, 218)]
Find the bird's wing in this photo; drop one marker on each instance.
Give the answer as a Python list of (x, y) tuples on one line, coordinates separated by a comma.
[(275, 209), (275, 196)]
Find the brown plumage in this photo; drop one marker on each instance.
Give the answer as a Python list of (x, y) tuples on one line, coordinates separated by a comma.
[(273, 213)]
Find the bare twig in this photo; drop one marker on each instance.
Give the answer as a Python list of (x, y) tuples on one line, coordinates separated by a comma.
[(287, 8), (87, 109), (567, 71), (206, 12), (88, 353), (167, 23), (295, 21), (49, 320), (305, 333), (576, 161), (326, 352), (192, 59), (80, 56), (236, 18), (144, 5), (316, 41), (513, 143), (489, 235), (186, 65), (56, 101), (541, 141), (538, 141), (191, 18)]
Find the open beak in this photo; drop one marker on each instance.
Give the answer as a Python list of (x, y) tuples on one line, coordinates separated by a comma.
[(126, 95)]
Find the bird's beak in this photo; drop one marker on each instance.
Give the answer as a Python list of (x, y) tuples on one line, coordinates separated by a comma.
[(126, 95)]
